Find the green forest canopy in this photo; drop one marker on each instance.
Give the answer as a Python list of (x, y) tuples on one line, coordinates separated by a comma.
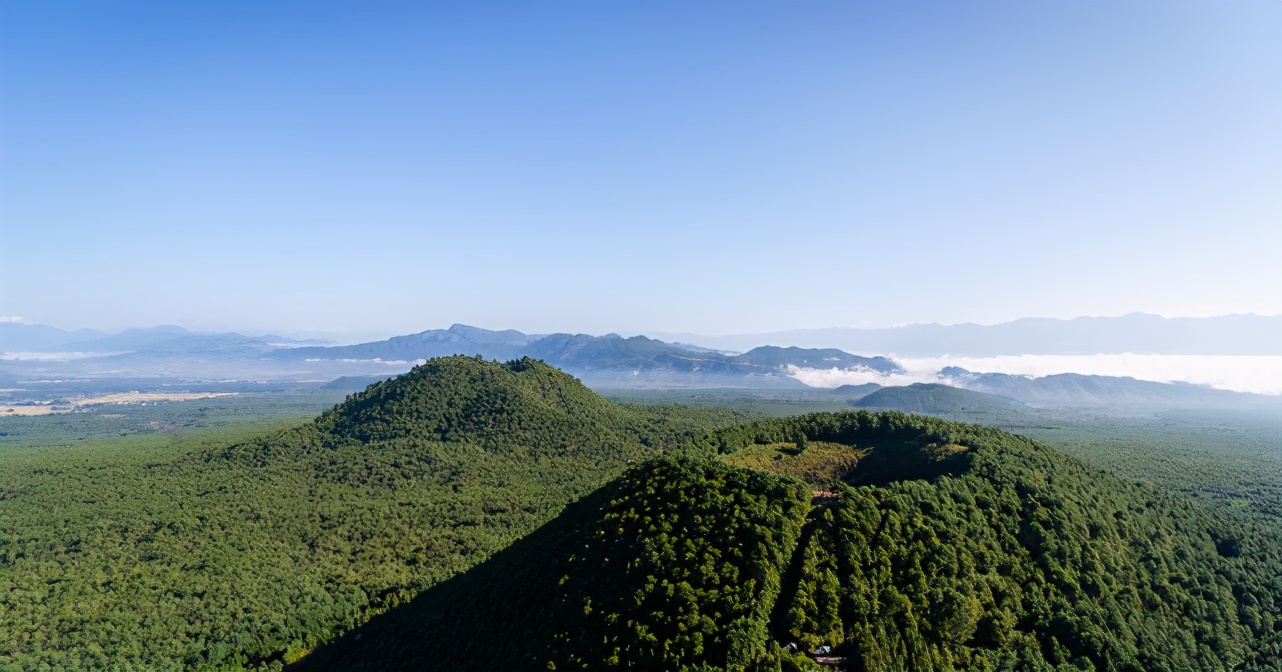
[(225, 551), (957, 548), (951, 546)]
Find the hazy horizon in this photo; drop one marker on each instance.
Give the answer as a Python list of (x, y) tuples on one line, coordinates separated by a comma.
[(657, 167), (1254, 373), (376, 335)]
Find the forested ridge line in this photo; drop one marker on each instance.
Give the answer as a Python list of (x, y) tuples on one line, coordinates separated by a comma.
[(946, 547), (247, 554)]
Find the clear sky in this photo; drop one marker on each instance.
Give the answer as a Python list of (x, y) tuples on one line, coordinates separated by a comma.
[(710, 167)]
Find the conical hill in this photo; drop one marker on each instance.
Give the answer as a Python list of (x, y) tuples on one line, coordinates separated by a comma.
[(898, 542), (523, 403)]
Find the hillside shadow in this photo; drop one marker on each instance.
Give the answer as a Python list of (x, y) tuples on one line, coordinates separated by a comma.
[(443, 627), (911, 461), (825, 465)]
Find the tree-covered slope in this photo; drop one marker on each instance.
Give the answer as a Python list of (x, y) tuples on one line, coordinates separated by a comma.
[(1015, 557), (672, 566), (523, 403), (929, 546), (245, 553)]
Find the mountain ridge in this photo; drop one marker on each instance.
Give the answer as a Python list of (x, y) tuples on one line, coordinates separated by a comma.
[(605, 359), (907, 543), (1075, 389), (1136, 333), (698, 541), (604, 362), (936, 398)]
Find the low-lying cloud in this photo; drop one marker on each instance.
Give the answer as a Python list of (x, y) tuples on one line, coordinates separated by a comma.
[(830, 378), (1261, 374), (376, 360), (51, 356)]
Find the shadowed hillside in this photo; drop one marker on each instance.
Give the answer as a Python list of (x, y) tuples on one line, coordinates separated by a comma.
[(246, 553), (613, 582), (931, 546)]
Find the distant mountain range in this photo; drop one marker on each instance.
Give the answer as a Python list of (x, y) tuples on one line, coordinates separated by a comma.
[(22, 337), (604, 360), (1138, 333), (1072, 389), (172, 355)]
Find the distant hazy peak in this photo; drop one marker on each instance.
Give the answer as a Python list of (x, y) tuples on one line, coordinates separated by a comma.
[(1137, 333), (466, 330)]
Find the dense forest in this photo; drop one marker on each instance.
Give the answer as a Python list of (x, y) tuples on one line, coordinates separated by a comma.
[(931, 546), (503, 516), (620, 579), (247, 549), (1024, 560)]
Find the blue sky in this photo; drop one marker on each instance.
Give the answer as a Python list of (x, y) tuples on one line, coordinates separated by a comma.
[(707, 167)]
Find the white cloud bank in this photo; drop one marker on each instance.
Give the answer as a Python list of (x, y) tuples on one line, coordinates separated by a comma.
[(51, 356), (376, 360), (830, 378), (1261, 374)]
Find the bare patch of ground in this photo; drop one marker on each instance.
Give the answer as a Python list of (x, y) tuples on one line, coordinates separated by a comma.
[(10, 410), (42, 409), (140, 397)]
